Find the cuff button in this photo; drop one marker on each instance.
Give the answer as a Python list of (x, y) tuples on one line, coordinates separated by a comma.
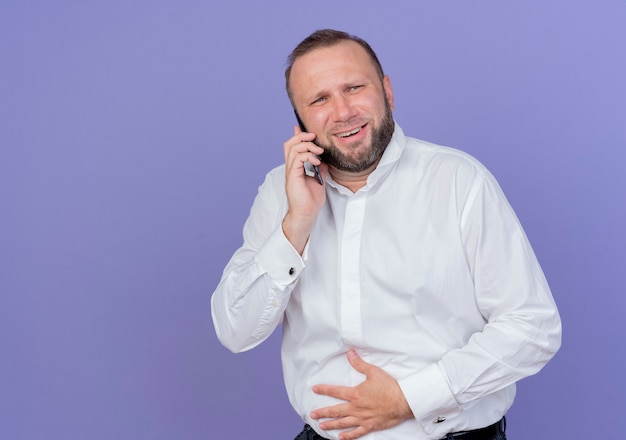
[(291, 271)]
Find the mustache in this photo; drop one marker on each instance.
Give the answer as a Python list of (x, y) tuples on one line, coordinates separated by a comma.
[(348, 125)]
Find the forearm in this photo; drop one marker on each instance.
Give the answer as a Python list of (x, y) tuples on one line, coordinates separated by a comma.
[(253, 293), (510, 348)]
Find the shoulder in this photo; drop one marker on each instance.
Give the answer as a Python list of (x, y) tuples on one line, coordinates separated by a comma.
[(275, 177), (413, 152), (439, 159), (272, 189)]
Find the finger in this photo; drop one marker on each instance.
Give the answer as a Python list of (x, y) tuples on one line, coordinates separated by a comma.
[(298, 145), (355, 433), (358, 363), (300, 138), (336, 391), (331, 412), (296, 163), (341, 423)]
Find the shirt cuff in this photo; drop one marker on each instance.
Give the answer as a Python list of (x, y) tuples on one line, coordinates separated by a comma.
[(278, 258), (429, 396)]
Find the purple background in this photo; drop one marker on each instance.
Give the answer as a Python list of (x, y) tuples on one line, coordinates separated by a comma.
[(133, 136)]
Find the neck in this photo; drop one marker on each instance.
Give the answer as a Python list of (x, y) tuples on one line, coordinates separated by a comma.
[(352, 181)]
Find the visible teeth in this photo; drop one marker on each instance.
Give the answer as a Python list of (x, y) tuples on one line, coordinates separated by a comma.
[(350, 133)]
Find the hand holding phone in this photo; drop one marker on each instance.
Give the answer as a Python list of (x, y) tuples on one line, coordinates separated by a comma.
[(305, 199), (316, 169)]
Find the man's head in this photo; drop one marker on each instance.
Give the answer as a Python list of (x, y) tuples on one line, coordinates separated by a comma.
[(327, 38), (337, 86)]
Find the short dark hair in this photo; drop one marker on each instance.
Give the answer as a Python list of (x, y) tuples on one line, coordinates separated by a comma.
[(327, 38)]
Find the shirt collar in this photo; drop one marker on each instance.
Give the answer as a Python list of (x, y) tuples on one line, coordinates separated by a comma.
[(393, 152)]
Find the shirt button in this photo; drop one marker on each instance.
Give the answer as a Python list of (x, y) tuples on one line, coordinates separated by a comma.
[(291, 271), (439, 420)]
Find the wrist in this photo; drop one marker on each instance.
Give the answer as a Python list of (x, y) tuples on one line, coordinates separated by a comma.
[(297, 230)]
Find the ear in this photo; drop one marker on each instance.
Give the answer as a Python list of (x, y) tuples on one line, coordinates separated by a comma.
[(388, 90)]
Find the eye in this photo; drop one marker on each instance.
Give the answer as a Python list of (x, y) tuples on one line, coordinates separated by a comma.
[(355, 88), (319, 100)]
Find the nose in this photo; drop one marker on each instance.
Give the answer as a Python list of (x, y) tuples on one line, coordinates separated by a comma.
[(343, 108)]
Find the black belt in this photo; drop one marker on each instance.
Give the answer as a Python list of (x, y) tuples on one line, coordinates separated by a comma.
[(488, 433)]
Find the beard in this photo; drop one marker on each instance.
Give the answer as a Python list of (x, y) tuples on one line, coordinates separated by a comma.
[(381, 135)]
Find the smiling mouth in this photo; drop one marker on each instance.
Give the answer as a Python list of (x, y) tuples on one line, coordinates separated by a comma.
[(349, 133)]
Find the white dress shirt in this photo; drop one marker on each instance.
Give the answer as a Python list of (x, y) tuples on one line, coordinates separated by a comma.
[(425, 272)]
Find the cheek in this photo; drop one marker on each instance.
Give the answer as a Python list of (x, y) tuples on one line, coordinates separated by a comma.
[(317, 122), (379, 108), (320, 116)]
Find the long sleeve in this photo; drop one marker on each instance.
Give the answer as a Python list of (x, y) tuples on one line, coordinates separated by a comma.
[(254, 290), (523, 327)]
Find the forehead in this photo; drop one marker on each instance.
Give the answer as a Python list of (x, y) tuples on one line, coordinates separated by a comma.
[(338, 62)]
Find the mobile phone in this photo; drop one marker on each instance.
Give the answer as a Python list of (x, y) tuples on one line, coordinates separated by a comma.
[(316, 170)]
